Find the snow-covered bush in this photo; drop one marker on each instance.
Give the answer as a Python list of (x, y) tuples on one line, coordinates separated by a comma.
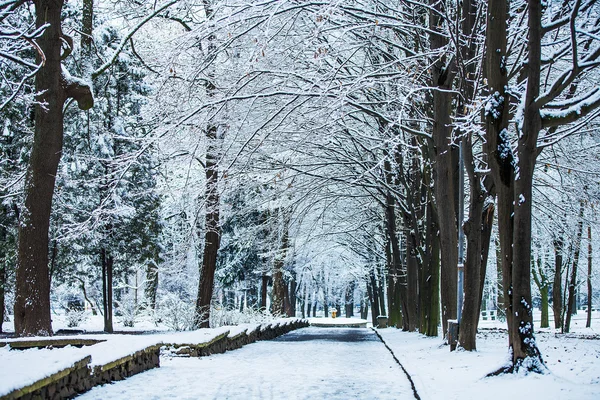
[(175, 312), (221, 316), (75, 317), (129, 309)]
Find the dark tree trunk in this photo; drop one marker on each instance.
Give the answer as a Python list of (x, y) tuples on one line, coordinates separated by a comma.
[(32, 301), (486, 236), (526, 354), (279, 286), (212, 235), (430, 277), (557, 283), (2, 288), (393, 290), (107, 289), (588, 323), (381, 291), (497, 146), (364, 308), (371, 289), (350, 300), (263, 293), (412, 306), (151, 284), (542, 283), (32, 296), (571, 309), (472, 277), (442, 73), (292, 287)]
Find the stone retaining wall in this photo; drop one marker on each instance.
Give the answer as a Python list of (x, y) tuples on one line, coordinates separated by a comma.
[(80, 377), (61, 385), (125, 367)]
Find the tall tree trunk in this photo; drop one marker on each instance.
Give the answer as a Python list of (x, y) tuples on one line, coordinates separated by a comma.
[(542, 283), (32, 290), (374, 299), (350, 300), (2, 288), (279, 286), (32, 300), (430, 277), (212, 228), (212, 235), (526, 353), (573, 281), (292, 287), (393, 290), (151, 283), (472, 277), (588, 323), (264, 286), (497, 146), (557, 283), (442, 74), (486, 236), (380, 290), (107, 289)]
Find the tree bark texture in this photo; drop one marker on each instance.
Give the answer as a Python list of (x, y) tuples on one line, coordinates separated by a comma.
[(151, 284), (526, 353), (212, 234), (107, 289), (497, 146), (442, 73), (32, 291), (279, 285)]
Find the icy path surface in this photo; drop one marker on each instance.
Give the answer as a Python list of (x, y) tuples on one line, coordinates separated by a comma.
[(310, 363)]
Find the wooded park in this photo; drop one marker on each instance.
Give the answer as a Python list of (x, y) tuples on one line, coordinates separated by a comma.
[(195, 163)]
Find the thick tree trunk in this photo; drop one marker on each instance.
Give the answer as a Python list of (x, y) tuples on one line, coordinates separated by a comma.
[(573, 281), (32, 300), (588, 323), (32, 291), (442, 73), (497, 146), (430, 277), (526, 353)]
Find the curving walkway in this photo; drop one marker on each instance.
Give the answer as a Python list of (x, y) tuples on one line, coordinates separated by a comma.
[(310, 363)]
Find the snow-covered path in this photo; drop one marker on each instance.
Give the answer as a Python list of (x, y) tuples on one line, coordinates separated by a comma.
[(310, 363)]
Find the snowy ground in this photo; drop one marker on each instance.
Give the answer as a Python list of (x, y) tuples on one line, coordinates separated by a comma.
[(573, 367), (325, 363), (310, 363)]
